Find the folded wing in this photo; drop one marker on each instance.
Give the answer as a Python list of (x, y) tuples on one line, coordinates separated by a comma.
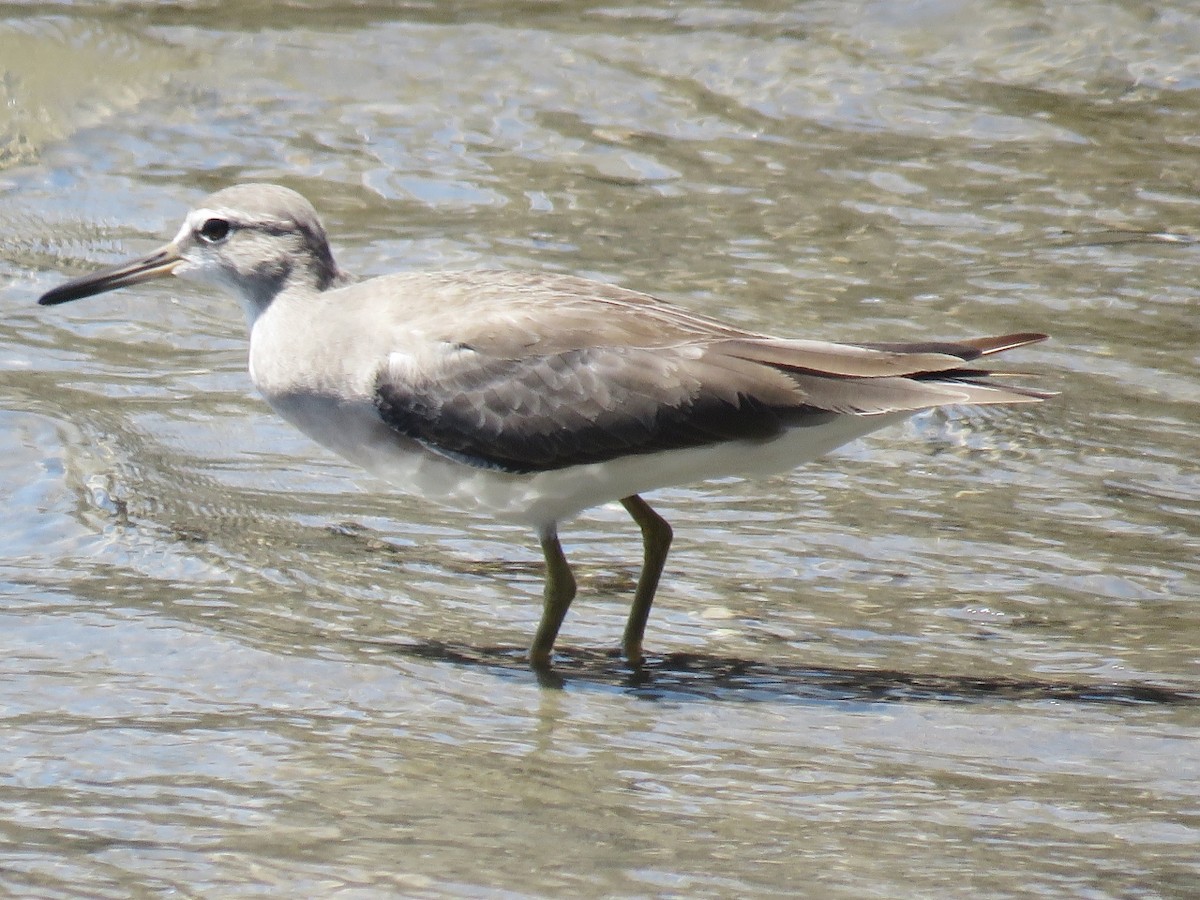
[(595, 403)]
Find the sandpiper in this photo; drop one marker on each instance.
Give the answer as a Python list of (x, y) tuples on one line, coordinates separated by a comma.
[(533, 396)]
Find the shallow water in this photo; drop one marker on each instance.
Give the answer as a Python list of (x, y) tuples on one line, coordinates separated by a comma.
[(956, 658)]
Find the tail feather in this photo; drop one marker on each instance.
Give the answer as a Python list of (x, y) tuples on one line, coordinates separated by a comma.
[(966, 350), (927, 379)]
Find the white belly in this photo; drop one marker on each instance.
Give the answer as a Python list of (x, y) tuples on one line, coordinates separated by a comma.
[(354, 431)]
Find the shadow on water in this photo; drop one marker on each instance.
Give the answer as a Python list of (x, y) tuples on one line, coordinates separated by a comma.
[(682, 676)]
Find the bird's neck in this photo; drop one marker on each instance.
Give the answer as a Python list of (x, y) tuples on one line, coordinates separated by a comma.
[(295, 288)]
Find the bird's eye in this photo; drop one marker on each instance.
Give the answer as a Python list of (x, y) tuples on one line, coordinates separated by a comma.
[(213, 231)]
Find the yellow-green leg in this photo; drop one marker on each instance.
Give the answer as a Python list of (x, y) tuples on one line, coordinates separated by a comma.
[(656, 542), (558, 594)]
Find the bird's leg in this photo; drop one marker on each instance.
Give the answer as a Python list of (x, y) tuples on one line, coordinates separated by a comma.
[(656, 541), (558, 594)]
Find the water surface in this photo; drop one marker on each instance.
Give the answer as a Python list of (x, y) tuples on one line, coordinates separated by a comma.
[(956, 658)]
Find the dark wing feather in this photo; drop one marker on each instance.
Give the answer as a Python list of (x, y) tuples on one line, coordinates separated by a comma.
[(595, 403), (586, 405)]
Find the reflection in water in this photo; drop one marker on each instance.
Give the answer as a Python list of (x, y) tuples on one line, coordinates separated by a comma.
[(680, 676)]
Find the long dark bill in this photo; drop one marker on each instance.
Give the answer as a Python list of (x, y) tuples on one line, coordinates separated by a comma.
[(159, 263)]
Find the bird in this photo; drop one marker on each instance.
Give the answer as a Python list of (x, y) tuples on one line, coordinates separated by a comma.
[(532, 396)]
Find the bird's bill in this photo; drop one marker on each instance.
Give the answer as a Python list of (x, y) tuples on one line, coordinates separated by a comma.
[(159, 263)]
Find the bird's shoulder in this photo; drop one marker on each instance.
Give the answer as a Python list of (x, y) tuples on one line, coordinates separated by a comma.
[(510, 313)]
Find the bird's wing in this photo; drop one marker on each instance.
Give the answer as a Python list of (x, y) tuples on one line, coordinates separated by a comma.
[(594, 403), (579, 406)]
